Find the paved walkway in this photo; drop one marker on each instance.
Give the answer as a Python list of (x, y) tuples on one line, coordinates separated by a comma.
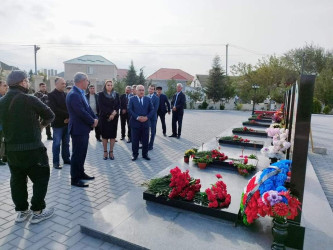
[(115, 178), (322, 133)]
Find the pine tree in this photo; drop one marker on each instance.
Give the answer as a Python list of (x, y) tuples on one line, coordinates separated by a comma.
[(141, 79), (216, 81), (131, 78)]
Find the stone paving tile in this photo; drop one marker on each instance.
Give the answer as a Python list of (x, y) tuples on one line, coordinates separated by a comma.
[(113, 179)]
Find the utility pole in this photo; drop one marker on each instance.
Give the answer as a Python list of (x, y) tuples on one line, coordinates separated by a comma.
[(226, 59), (36, 48)]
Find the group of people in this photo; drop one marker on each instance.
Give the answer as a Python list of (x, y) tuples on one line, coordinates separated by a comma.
[(75, 114)]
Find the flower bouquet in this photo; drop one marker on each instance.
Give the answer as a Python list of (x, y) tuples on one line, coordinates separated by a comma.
[(266, 195), (234, 138), (216, 196), (180, 185), (188, 153), (242, 165), (202, 158), (280, 143)]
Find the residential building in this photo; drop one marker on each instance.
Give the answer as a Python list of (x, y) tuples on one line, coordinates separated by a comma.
[(5, 69), (200, 81), (96, 67), (163, 75), (121, 74)]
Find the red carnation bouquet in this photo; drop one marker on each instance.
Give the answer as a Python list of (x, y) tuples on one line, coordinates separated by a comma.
[(183, 185), (217, 195)]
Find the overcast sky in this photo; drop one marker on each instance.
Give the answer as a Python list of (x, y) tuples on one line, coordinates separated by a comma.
[(184, 34)]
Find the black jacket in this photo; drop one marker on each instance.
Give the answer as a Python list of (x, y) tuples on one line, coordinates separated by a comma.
[(164, 106), (19, 115), (123, 102), (57, 102), (180, 104)]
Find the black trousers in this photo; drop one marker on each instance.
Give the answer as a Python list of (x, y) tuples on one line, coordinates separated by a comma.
[(162, 118), (124, 118), (177, 117), (48, 130), (79, 153), (35, 165), (140, 135)]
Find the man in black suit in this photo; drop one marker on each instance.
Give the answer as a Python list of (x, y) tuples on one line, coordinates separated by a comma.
[(124, 116), (141, 110), (92, 98), (81, 121), (163, 108), (177, 104)]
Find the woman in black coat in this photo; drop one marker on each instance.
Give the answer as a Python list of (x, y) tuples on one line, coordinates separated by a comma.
[(109, 104)]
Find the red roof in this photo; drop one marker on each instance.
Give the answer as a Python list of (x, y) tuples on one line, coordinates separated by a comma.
[(169, 74), (178, 77), (122, 73)]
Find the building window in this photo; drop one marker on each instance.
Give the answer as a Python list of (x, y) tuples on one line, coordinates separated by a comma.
[(90, 70)]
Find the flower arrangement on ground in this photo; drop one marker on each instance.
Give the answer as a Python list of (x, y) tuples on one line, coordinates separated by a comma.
[(280, 143), (209, 156), (217, 196), (190, 152), (266, 195), (180, 185), (242, 165), (245, 129), (234, 138), (278, 115)]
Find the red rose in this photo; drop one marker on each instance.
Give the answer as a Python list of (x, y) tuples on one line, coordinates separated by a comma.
[(219, 176)]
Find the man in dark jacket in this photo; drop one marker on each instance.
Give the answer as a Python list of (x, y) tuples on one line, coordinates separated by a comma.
[(57, 102), (42, 95), (124, 116), (164, 107), (26, 154), (81, 120), (3, 91), (92, 98), (177, 104)]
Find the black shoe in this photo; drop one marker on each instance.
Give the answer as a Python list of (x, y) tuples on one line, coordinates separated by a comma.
[(172, 135), (111, 157), (87, 177), (49, 138), (146, 157), (164, 134), (150, 148), (98, 139), (140, 147), (57, 166), (105, 157), (2, 163), (4, 158), (129, 141), (122, 138), (79, 184), (134, 158), (178, 137), (67, 162)]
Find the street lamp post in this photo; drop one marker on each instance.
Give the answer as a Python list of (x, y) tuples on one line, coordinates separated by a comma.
[(255, 87), (36, 48)]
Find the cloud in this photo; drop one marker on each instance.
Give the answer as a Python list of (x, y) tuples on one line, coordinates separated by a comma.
[(82, 23), (100, 38)]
